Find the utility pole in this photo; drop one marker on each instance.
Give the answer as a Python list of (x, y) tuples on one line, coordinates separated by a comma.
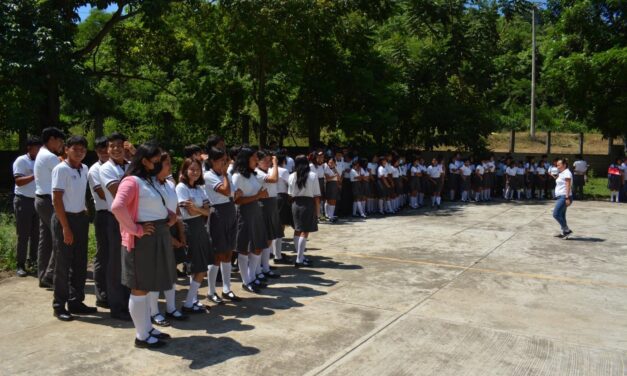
[(532, 128)]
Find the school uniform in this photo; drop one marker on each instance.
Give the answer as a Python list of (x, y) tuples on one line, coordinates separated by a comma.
[(435, 173), (283, 200), (303, 205), (365, 183), (414, 180), (453, 177), (614, 178), (499, 182), (396, 178), (26, 218), (269, 206), (465, 172), (520, 178), (540, 180), (355, 178), (117, 294), (222, 218), (383, 190), (198, 243), (319, 170), (251, 233), (70, 271), (332, 185), (45, 162), (100, 228)]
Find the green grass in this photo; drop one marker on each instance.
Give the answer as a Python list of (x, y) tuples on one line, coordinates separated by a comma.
[(8, 242), (596, 188)]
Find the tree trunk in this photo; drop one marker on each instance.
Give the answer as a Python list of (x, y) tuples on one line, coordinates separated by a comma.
[(548, 142), (245, 128), (512, 141), (98, 125), (50, 109), (262, 106), (23, 136)]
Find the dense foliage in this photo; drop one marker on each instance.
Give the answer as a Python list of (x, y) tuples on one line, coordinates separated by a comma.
[(370, 72)]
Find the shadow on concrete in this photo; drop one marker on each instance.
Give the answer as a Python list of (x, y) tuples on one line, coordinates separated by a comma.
[(586, 239), (204, 351)]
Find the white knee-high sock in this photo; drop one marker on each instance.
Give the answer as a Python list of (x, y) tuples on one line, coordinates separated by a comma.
[(360, 207), (212, 276), (277, 247), (381, 209), (331, 211), (242, 262), (152, 298), (226, 276), (140, 313), (354, 208), (170, 298), (302, 245), (432, 200), (296, 237), (265, 260), (192, 293), (438, 200), (389, 202), (253, 263), (421, 198)]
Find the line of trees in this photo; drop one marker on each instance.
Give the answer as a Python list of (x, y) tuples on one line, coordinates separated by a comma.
[(372, 72)]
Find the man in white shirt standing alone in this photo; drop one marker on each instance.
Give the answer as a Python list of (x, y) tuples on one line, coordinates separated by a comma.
[(47, 159), (580, 169), (563, 197)]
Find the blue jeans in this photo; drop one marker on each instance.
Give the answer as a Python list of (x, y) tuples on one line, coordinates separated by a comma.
[(559, 212)]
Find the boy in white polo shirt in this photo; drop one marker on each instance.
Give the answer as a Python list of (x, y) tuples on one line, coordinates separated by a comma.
[(70, 228), (46, 160), (26, 219)]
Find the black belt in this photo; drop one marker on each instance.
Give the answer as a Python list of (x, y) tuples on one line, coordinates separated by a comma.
[(44, 196), (22, 196), (74, 214)]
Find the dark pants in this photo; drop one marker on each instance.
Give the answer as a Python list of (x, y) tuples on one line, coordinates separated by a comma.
[(27, 224), (117, 294), (70, 270), (578, 183), (101, 260), (45, 256)]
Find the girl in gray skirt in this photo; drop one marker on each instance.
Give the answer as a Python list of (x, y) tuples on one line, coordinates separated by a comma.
[(268, 175), (304, 189), (194, 206), (333, 179), (251, 237), (147, 257)]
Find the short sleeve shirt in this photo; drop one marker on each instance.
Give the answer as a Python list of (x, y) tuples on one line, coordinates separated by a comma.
[(111, 173), (249, 186), (382, 172), (44, 163), (284, 177), (151, 202), (465, 170), (434, 171), (270, 187), (197, 195), (93, 177), (354, 175), (311, 188), (73, 183), (213, 181), (167, 190), (24, 166), (560, 183)]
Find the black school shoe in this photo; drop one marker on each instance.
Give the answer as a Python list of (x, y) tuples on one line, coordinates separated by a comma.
[(147, 345), (159, 320), (304, 264), (123, 316), (176, 315), (63, 315), (102, 304), (250, 288), (79, 308), (159, 335), (215, 298), (45, 284), (231, 296)]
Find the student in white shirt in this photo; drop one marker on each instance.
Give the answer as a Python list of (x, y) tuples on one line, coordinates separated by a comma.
[(268, 175), (317, 166), (414, 183), (580, 170), (333, 177), (373, 198), (251, 237), (465, 173), (45, 162), (530, 172), (623, 194), (520, 179), (434, 174), (194, 207), (70, 230), (111, 174), (454, 180), (477, 181), (615, 179), (305, 192), (540, 182), (357, 185), (222, 217), (563, 196), (26, 218), (285, 209), (510, 182), (100, 223), (384, 186)]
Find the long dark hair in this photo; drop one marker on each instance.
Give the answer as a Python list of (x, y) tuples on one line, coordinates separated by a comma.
[(242, 162), (301, 166), (144, 151), (184, 177)]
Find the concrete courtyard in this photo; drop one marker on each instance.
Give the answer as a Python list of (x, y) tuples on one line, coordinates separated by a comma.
[(479, 289)]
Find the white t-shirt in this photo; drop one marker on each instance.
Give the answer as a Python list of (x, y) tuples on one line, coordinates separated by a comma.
[(560, 183), (168, 191), (395, 172), (452, 167), (580, 167), (270, 187), (289, 164), (373, 167), (502, 167), (318, 169), (249, 186), (311, 188), (382, 171), (197, 195), (284, 177), (520, 170), (434, 171), (151, 202), (554, 171), (465, 170), (479, 169), (355, 175), (540, 170), (73, 183), (511, 171), (93, 177), (416, 170), (44, 163), (111, 173), (24, 166), (213, 181)]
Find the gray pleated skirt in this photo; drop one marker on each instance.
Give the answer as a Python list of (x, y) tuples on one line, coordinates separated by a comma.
[(251, 231), (270, 210), (365, 188), (414, 183), (357, 187), (398, 186), (150, 266), (383, 189), (465, 183), (198, 244), (304, 213), (332, 190), (222, 227), (322, 187), (285, 210)]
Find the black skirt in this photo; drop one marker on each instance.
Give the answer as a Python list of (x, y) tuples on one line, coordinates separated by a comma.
[(270, 209), (251, 232), (414, 183), (304, 213), (198, 245), (222, 226), (465, 183), (614, 182), (332, 190), (285, 210), (383, 190), (357, 189), (150, 266), (398, 186), (322, 188)]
